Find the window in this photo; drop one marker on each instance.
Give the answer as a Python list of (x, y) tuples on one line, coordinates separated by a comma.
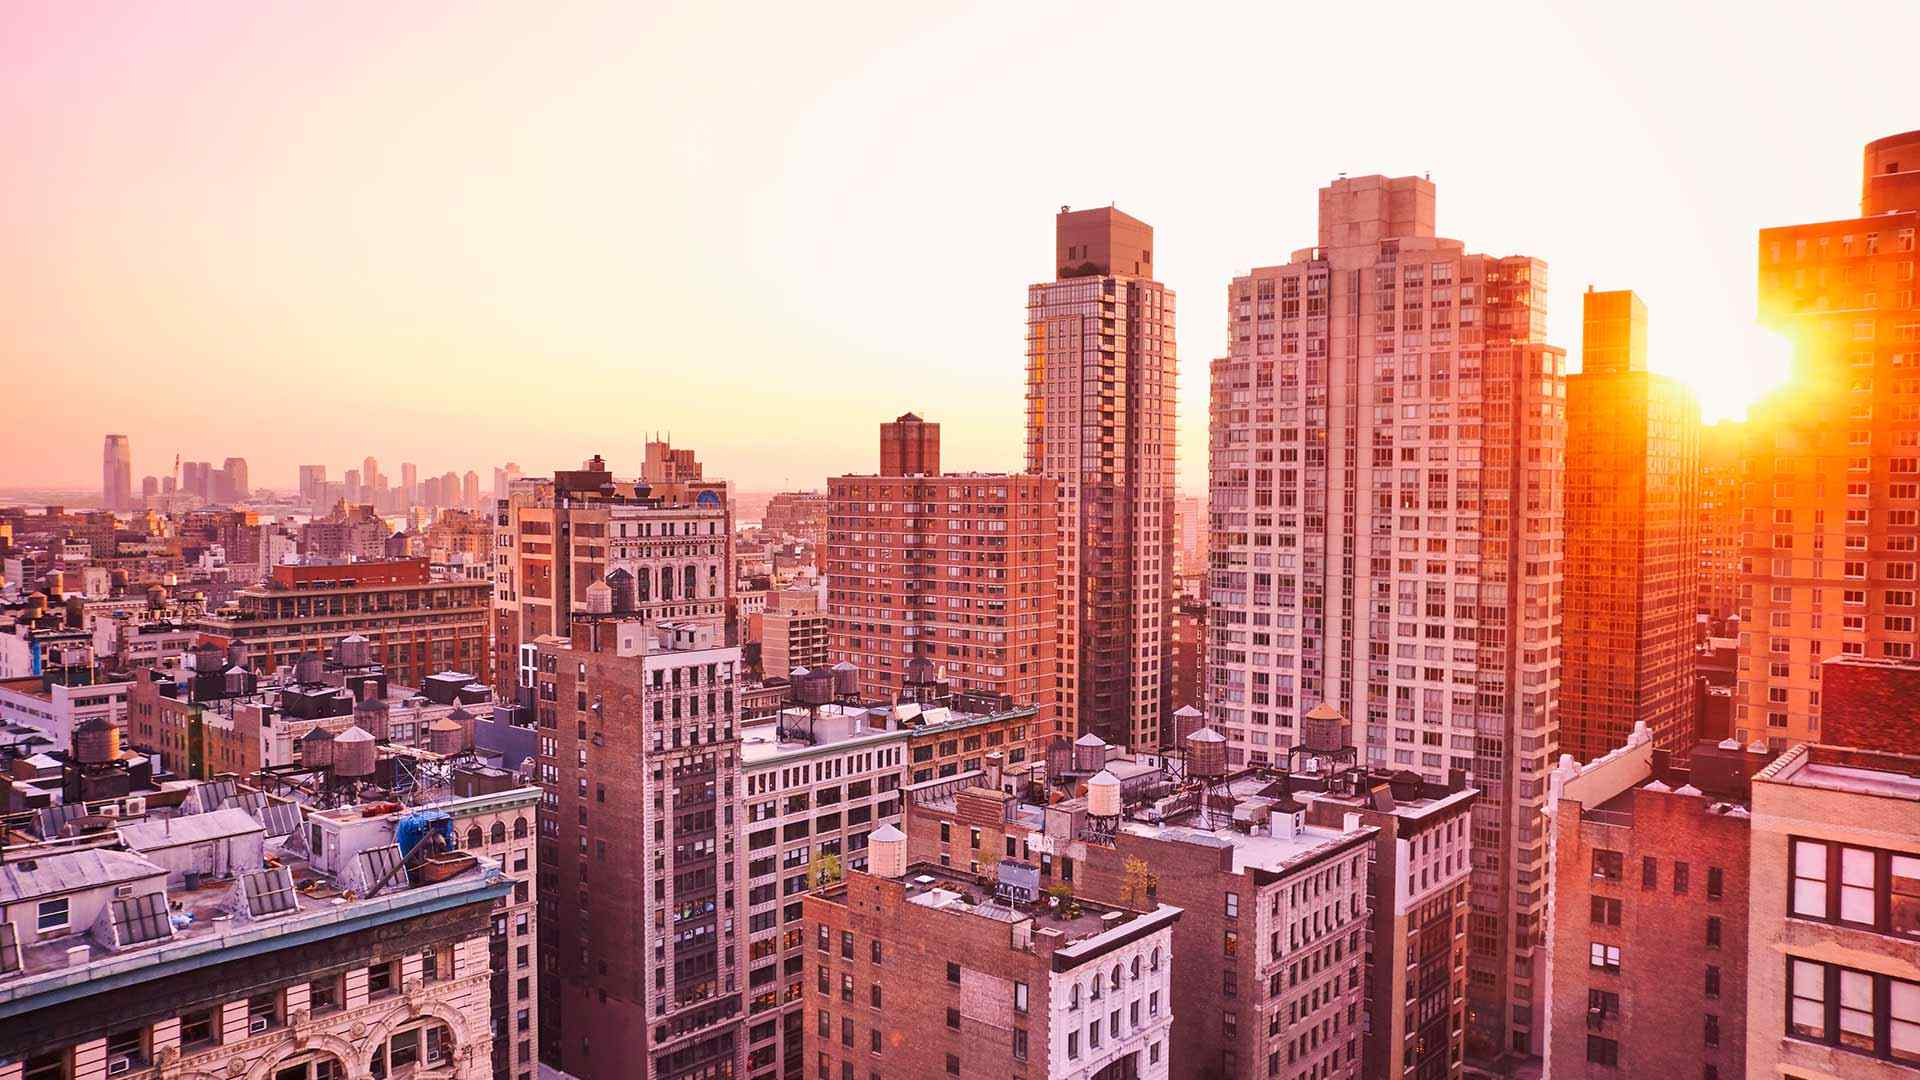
[(1233, 905), (380, 979), (1716, 882), (1020, 1044), (1710, 1032), (1603, 1051), (197, 1029), (1649, 872), (1679, 878), (1020, 997), (1604, 957), (953, 1018), (1861, 886), (1606, 865), (1713, 981), (1713, 931), (52, 916), (1605, 912), (1855, 1010)]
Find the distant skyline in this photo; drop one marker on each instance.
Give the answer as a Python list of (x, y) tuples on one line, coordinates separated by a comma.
[(461, 235)]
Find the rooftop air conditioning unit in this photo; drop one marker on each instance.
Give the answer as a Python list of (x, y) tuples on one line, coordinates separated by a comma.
[(110, 810), (136, 806)]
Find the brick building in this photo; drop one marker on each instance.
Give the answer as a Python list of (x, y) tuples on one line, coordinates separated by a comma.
[(664, 548), (1272, 976), (643, 874), (417, 626), (1648, 935), (953, 569), (1871, 704), (914, 970)]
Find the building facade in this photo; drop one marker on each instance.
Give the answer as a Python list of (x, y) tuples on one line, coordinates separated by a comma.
[(1632, 540), (914, 970), (956, 569), (1719, 532), (416, 626), (1101, 382), (1648, 927), (1830, 509), (664, 548), (643, 877), (1833, 972), (1386, 503)]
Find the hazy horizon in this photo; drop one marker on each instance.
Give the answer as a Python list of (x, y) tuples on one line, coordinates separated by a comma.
[(460, 236)]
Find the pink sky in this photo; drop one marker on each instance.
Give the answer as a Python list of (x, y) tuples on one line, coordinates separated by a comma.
[(462, 234)]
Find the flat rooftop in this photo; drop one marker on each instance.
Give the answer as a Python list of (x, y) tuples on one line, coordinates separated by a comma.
[(1858, 772)]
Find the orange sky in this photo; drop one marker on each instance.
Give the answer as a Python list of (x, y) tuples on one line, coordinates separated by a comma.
[(462, 234)]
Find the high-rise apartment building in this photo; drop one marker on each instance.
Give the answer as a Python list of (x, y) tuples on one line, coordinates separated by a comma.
[(1719, 502), (957, 569), (1632, 548), (1830, 515), (642, 921), (1386, 444), (116, 473), (663, 549), (1101, 380)]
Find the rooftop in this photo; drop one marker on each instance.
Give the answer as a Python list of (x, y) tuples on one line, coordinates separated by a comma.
[(171, 891), (1856, 772)]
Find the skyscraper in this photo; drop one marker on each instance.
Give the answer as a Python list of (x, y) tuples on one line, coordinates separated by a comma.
[(1830, 515), (116, 473), (370, 475), (1719, 585), (312, 479), (1632, 549), (470, 489), (1101, 372), (238, 483), (1386, 442), (409, 484)]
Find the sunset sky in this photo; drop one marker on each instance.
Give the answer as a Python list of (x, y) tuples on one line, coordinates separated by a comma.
[(459, 234)]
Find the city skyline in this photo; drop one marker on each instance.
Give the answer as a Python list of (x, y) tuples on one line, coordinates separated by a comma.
[(412, 240)]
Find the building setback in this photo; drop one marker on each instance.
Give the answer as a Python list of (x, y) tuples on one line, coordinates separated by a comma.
[(1101, 381), (1830, 517), (1632, 561), (641, 915), (915, 971), (1386, 448)]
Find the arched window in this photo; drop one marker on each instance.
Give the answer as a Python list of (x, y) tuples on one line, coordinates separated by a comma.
[(473, 837), (1135, 969), (427, 1044), (1114, 979), (692, 583), (666, 583), (1153, 962), (310, 1066), (1073, 996), (499, 832), (519, 828)]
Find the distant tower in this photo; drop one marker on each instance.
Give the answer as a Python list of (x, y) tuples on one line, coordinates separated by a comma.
[(116, 473), (237, 481)]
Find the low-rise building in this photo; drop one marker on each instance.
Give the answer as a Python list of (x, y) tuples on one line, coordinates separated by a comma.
[(268, 944), (1647, 928), (1833, 970), (920, 971)]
